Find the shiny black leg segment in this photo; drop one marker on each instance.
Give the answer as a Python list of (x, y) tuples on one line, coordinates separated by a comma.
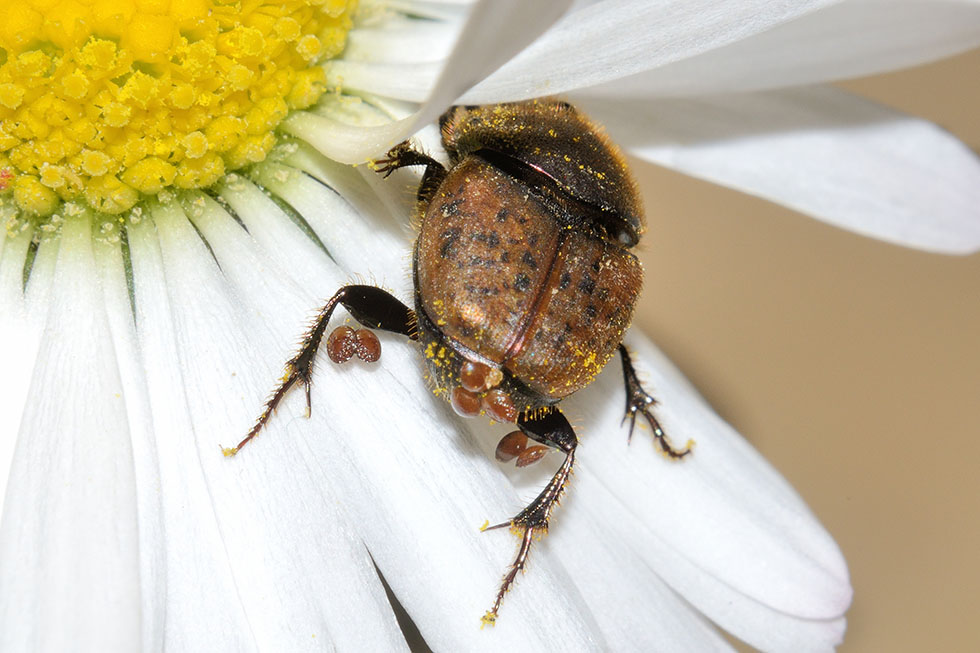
[(638, 402), (552, 429), (371, 306), (401, 156)]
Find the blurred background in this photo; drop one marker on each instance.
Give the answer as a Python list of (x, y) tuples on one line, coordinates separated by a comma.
[(851, 364)]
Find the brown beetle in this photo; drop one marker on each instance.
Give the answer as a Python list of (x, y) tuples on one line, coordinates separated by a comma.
[(524, 283)]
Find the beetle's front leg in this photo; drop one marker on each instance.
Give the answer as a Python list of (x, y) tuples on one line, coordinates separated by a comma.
[(404, 155), (371, 306), (638, 402), (552, 429)]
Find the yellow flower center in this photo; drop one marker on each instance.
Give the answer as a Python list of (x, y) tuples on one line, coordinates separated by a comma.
[(108, 100)]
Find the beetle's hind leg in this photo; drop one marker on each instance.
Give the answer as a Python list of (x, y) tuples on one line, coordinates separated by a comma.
[(404, 155), (371, 306), (638, 402), (550, 428)]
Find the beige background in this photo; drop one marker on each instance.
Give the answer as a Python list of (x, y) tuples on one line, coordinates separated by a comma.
[(853, 365)]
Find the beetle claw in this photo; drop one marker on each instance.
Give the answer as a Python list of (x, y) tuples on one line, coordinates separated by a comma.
[(508, 523), (639, 401), (631, 416), (658, 432), (309, 401), (399, 156)]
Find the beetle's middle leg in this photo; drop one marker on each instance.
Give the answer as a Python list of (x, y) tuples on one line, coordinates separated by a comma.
[(638, 402), (552, 429), (371, 306), (404, 155)]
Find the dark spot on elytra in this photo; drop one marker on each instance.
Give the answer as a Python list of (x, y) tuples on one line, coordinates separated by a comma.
[(528, 259), (587, 285), (451, 208), (502, 215), (522, 282), (591, 311), (481, 290), (565, 279), (491, 239), (449, 238), (505, 256), (479, 261), (562, 337), (597, 264)]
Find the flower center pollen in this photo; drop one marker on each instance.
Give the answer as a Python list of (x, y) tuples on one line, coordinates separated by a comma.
[(105, 101)]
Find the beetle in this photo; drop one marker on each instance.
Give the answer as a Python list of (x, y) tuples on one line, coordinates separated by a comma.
[(524, 279)]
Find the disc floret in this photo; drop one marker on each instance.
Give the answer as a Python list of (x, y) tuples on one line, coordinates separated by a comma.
[(109, 101)]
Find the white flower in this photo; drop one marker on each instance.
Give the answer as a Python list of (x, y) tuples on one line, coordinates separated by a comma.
[(125, 367)]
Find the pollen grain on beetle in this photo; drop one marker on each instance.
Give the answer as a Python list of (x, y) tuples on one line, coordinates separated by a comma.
[(105, 103)]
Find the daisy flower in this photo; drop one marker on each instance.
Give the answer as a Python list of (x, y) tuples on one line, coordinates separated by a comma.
[(178, 197)]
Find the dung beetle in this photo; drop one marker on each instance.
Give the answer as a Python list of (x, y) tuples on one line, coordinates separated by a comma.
[(524, 284)]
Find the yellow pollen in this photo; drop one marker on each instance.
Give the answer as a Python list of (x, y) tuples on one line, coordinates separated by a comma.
[(106, 101)]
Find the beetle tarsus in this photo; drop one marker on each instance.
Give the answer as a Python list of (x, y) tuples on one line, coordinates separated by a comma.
[(638, 402), (404, 155), (490, 618), (370, 306), (401, 156), (551, 429)]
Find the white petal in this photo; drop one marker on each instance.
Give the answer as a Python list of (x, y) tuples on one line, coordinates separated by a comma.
[(412, 81), (334, 220), (433, 9), (21, 339), (13, 255), (122, 327), (495, 30), (416, 493), (398, 41), (855, 37), (821, 151), (722, 527), (282, 566), (609, 40), (634, 607), (22, 321), (419, 492), (279, 237), (69, 537), (344, 142)]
